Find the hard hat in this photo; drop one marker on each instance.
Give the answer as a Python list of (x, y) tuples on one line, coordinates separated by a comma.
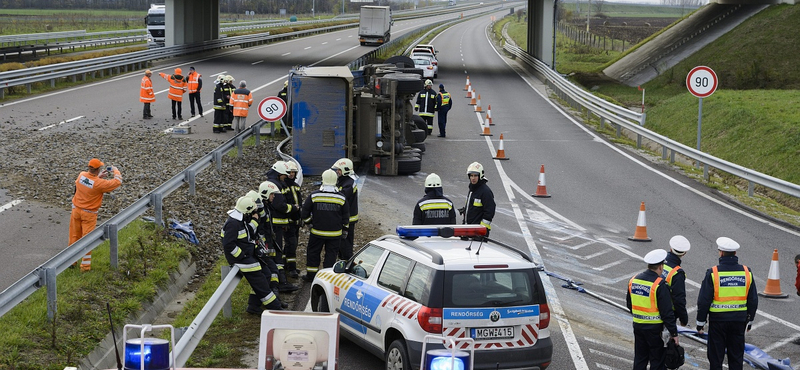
[(218, 79), (428, 83), (345, 165), (329, 177), (256, 197), (281, 167), (475, 168), (679, 244), (245, 205), (433, 181), (148, 72), (727, 244), (285, 83), (178, 71), (268, 188), (292, 166), (655, 256)]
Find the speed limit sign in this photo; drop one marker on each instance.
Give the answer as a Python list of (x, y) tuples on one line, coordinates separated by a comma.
[(272, 108), (701, 81)]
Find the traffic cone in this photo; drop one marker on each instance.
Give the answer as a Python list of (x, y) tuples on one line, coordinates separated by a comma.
[(486, 131), (478, 106), (541, 186), (466, 87), (473, 102), (469, 91), (773, 288), (501, 153), (489, 115), (641, 228)]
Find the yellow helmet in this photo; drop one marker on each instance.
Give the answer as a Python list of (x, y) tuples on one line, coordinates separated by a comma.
[(245, 205)]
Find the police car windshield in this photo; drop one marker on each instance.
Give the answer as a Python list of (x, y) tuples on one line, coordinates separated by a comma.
[(490, 288)]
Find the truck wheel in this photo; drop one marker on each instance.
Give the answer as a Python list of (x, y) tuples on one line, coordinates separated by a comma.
[(407, 83), (397, 356), (420, 146), (420, 123), (406, 62), (363, 43), (406, 166), (419, 135)]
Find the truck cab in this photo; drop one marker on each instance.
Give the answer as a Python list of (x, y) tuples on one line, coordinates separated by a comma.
[(156, 25)]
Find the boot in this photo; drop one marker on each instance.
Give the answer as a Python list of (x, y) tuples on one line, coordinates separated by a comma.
[(275, 305), (283, 284), (284, 305), (254, 305)]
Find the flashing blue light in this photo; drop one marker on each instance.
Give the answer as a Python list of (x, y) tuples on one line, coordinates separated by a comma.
[(444, 231), (156, 354), (444, 359), (446, 363)]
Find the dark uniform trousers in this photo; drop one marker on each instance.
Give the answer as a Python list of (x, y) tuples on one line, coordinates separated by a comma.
[(346, 246), (722, 334), (290, 246), (315, 247), (648, 345)]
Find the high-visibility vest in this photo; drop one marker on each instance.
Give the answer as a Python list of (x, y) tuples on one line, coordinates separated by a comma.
[(241, 99), (445, 98), (669, 273), (146, 94), (176, 87), (730, 289), (193, 82), (643, 301)]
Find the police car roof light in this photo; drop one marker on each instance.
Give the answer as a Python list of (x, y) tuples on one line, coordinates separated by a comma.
[(444, 231)]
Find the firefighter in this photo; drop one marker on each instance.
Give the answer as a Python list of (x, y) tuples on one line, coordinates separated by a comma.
[(346, 184), (284, 95), (648, 299), (434, 208), (294, 196), (327, 213), (426, 104), (280, 209), (194, 85), (443, 103), (220, 105), (269, 191), (89, 189), (480, 205), (177, 87), (261, 223), (241, 99), (238, 243), (146, 94), (675, 276), (229, 89), (728, 298)]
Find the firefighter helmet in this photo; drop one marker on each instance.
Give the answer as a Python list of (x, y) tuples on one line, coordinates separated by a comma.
[(268, 188), (281, 167), (245, 205), (252, 194), (433, 181), (285, 83), (345, 165), (428, 83), (475, 168), (292, 166), (329, 177), (229, 79)]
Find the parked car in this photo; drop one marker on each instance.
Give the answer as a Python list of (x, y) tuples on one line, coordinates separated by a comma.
[(428, 47), (424, 63), (443, 280)]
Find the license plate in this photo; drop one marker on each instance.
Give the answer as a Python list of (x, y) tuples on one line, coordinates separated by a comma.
[(493, 333)]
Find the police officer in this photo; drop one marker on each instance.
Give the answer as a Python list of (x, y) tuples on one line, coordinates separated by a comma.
[(281, 209), (294, 196), (426, 104), (265, 247), (434, 208), (346, 184), (327, 213), (444, 103), (645, 290), (728, 298), (480, 205), (238, 243), (675, 276)]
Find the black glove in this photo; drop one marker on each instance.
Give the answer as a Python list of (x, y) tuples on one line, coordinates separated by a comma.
[(261, 253), (700, 328), (344, 234), (462, 210)]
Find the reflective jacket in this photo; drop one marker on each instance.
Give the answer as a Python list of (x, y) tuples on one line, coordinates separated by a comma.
[(675, 277), (238, 242), (728, 293), (146, 93), (229, 89), (280, 208), (480, 205), (89, 190), (326, 211), (194, 82), (177, 86), (426, 103), (443, 101), (434, 209), (649, 302), (347, 186), (294, 196), (241, 100), (220, 96)]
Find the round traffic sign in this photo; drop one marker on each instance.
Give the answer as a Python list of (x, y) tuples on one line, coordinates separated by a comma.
[(701, 81), (272, 108)]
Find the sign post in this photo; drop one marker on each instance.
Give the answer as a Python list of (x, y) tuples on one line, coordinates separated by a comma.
[(701, 82)]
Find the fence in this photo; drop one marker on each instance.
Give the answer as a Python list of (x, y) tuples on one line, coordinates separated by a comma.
[(590, 39)]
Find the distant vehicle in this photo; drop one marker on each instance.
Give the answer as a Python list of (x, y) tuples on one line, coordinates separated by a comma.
[(451, 2), (426, 66), (426, 46), (375, 25), (156, 25)]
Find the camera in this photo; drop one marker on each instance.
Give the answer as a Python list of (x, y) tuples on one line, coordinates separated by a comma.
[(109, 168)]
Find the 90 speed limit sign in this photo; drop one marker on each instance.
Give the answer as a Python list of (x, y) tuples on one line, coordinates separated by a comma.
[(272, 108), (701, 81)]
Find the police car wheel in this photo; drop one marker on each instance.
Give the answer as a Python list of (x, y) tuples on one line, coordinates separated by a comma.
[(321, 304), (397, 356)]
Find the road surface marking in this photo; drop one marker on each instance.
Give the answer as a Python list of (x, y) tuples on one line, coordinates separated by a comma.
[(60, 123), (10, 204)]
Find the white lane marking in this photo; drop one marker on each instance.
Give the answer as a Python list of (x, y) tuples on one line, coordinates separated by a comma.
[(339, 39), (607, 344), (307, 47), (285, 54), (218, 74), (10, 204), (258, 62), (612, 264), (781, 343), (613, 357), (324, 43), (60, 123)]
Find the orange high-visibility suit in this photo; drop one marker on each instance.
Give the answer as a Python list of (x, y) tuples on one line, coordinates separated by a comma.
[(89, 190)]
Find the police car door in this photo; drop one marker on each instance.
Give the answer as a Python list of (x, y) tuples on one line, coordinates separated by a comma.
[(354, 306), (387, 296)]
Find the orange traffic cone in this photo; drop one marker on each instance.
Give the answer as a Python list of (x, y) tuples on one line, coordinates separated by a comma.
[(473, 102), (486, 131), (501, 153), (541, 186), (773, 288), (466, 87), (478, 105), (469, 91), (489, 115), (641, 228)]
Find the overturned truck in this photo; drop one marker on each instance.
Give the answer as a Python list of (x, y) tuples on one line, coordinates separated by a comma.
[(365, 115)]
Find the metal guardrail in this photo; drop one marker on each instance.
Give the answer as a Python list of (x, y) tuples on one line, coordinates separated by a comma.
[(634, 122)]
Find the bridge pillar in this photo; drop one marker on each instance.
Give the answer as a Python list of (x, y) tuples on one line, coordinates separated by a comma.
[(191, 21), (541, 30)]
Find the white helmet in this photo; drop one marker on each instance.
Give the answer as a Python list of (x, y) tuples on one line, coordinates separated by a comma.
[(292, 166), (428, 83), (252, 194), (285, 83), (345, 165), (268, 188), (329, 177), (229, 79), (281, 167), (475, 168), (433, 181), (245, 205)]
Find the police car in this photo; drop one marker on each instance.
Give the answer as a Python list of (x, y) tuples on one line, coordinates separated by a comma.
[(447, 281)]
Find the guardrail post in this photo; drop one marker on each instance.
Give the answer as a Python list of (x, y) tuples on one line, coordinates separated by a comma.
[(751, 187), (112, 234), (239, 147), (619, 130), (227, 311), (217, 155), (190, 176), (705, 171), (257, 134), (672, 156), (157, 201), (52, 82), (638, 141), (52, 302), (663, 152), (602, 123), (28, 86)]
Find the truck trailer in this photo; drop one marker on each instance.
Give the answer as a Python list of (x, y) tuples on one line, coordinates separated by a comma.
[(375, 25)]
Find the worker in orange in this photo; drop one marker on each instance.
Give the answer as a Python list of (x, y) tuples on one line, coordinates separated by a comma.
[(89, 189), (177, 87), (146, 94), (241, 99), (195, 84)]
